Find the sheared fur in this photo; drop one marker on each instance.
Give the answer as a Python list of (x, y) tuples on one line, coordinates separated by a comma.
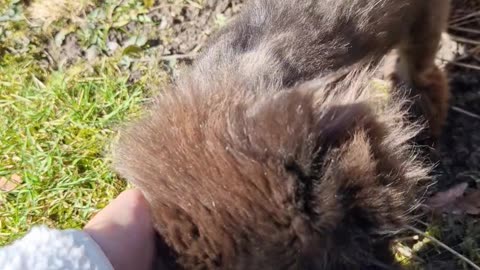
[(273, 152)]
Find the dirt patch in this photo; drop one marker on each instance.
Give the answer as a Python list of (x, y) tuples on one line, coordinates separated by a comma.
[(460, 148), (191, 25), (179, 29), (133, 33)]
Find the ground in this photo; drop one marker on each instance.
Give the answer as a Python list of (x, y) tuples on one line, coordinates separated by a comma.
[(72, 71)]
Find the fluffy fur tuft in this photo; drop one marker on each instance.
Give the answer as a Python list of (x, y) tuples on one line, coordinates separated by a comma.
[(272, 179)]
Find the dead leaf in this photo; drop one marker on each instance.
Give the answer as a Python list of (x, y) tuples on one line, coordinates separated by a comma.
[(16, 178), (470, 203), (456, 200), (446, 198), (7, 185)]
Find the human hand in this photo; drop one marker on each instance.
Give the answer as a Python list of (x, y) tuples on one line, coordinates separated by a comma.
[(124, 230)]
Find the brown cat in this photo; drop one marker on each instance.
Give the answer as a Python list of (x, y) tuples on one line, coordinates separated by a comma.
[(273, 152)]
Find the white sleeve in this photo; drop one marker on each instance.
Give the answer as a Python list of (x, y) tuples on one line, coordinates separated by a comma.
[(43, 248)]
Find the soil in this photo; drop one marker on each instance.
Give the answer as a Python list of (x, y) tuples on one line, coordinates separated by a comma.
[(188, 26), (460, 147)]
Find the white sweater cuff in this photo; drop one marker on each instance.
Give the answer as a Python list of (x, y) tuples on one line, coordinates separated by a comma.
[(43, 248)]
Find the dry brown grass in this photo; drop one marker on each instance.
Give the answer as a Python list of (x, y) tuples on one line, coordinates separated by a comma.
[(45, 12)]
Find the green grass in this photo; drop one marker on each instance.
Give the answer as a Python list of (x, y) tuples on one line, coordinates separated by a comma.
[(58, 119), (55, 136)]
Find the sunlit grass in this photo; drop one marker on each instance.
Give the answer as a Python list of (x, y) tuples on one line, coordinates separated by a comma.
[(55, 135)]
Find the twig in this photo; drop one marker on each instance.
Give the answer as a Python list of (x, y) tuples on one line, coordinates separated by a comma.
[(467, 22), (475, 50), (460, 110), (457, 63), (438, 242), (464, 29), (118, 5), (50, 58), (37, 82), (465, 40), (153, 9), (458, 20), (112, 10), (91, 79), (475, 67), (421, 222), (179, 56), (192, 54)]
